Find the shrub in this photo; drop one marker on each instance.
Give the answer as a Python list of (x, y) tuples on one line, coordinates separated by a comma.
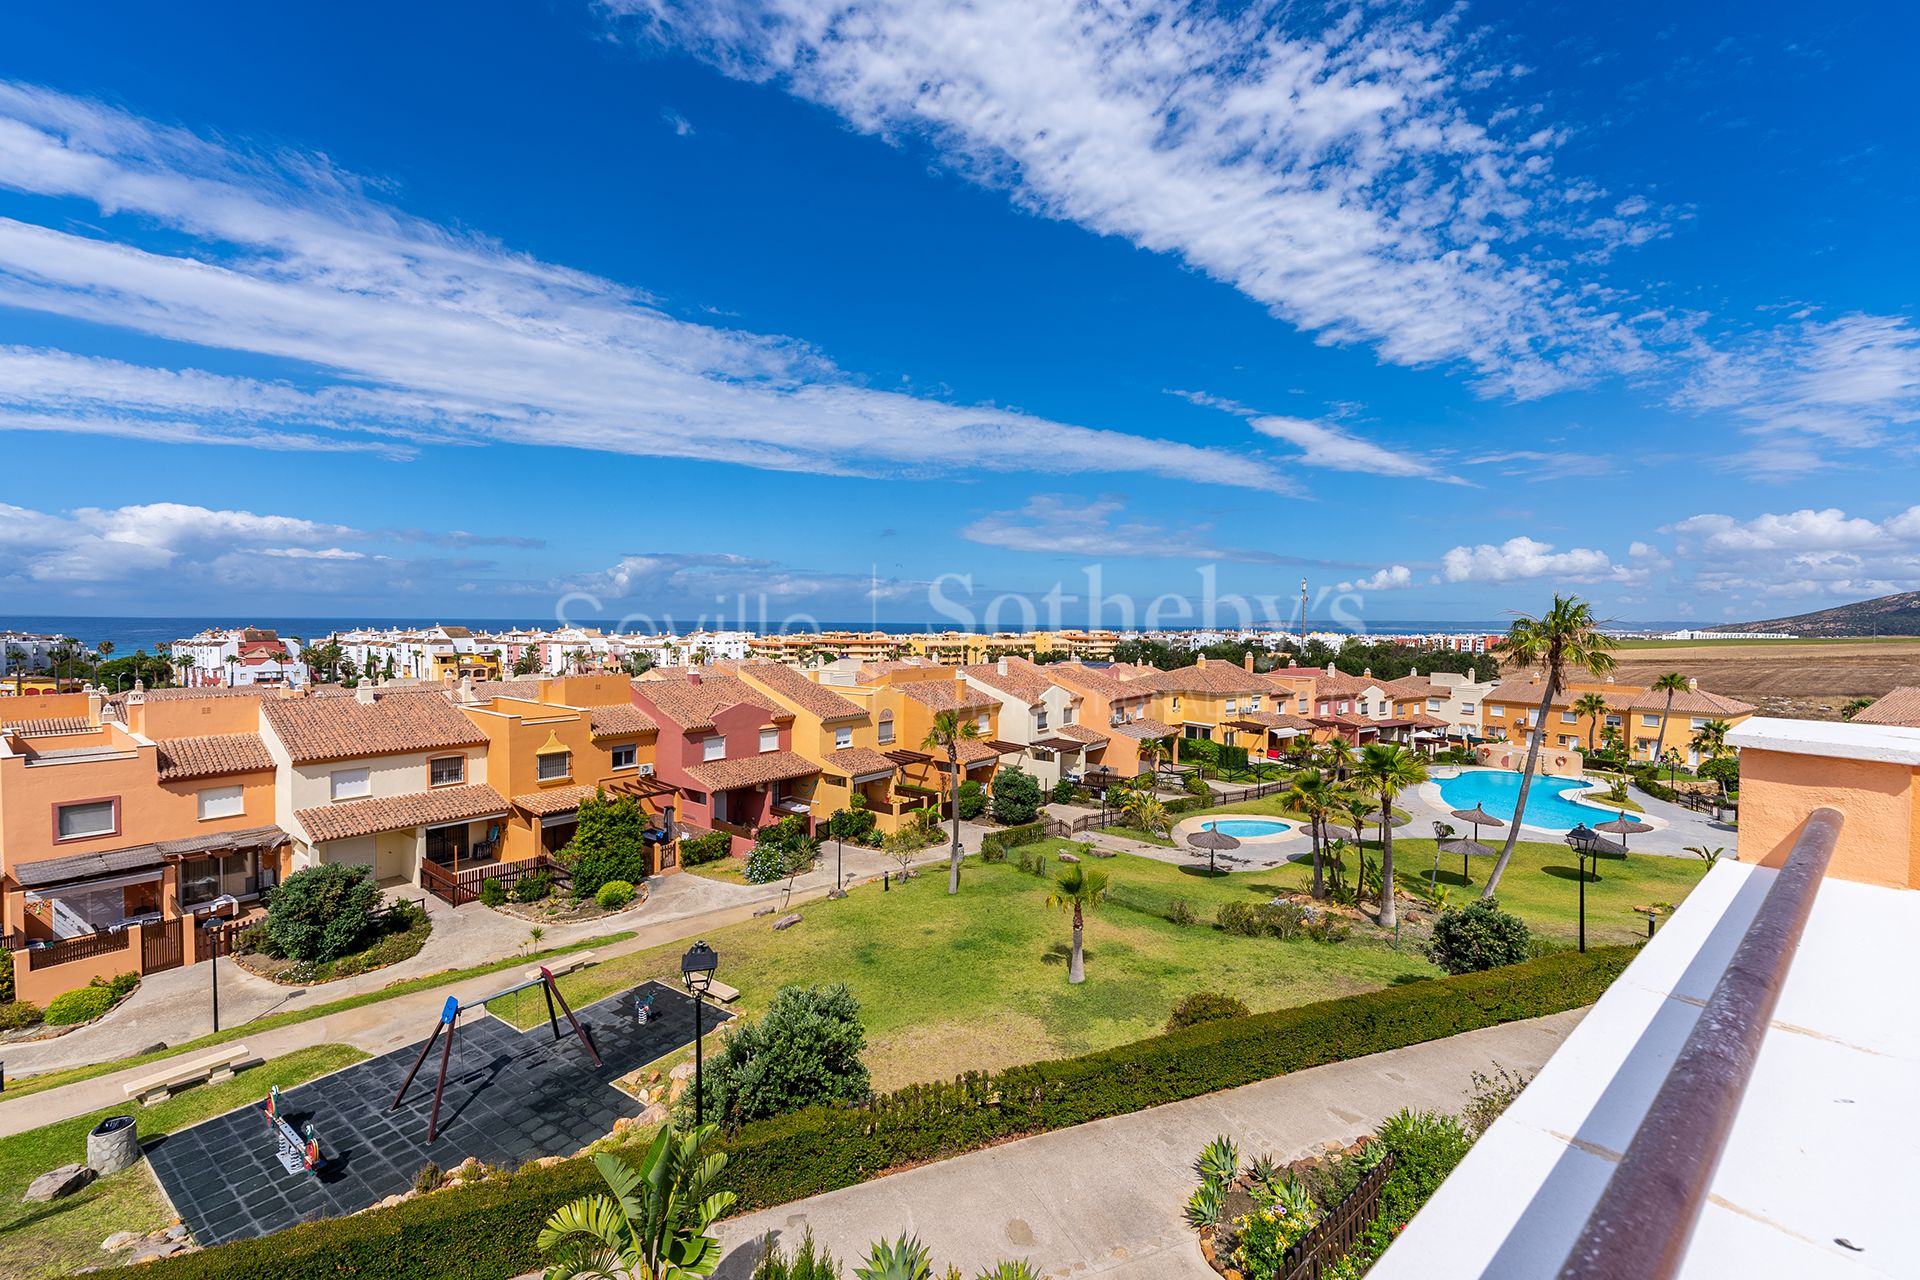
[(1196, 785), (973, 800), (15, 1014), (1478, 936), (430, 1178), (1261, 919), (1181, 912), (493, 892), (773, 1162), (710, 847), (855, 824), (1490, 1095), (119, 986), (1205, 1006), (1426, 1145), (613, 895), (6, 975), (82, 1005), (534, 886), (995, 845), (1062, 792), (1016, 797), (805, 1051), (322, 913), (606, 844), (253, 938), (807, 1262)]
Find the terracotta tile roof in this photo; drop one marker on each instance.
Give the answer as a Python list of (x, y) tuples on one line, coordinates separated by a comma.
[(691, 705), (397, 813), (1411, 687), (620, 721), (809, 695), (1143, 728), (1099, 681), (210, 691), (1348, 719), (874, 672), (47, 726), (1424, 721), (527, 690), (1214, 677), (752, 771), (1275, 720), (972, 751), (86, 866), (555, 799), (316, 729), (939, 695), (1900, 706), (210, 756), (858, 762), (1081, 733), (1027, 681)]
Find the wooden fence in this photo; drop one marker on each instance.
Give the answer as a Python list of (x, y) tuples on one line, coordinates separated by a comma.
[(457, 888), (85, 947), (1327, 1243)]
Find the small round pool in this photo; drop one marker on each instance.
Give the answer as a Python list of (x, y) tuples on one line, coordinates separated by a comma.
[(1248, 828)]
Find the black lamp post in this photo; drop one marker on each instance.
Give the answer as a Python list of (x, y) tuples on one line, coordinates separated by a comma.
[(1584, 841), (696, 970), (213, 957)]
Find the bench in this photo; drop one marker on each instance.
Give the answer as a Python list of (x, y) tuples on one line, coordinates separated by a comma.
[(722, 992), (160, 1086), (562, 964)]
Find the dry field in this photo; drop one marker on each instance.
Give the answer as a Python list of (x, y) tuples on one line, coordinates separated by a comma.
[(1811, 680)]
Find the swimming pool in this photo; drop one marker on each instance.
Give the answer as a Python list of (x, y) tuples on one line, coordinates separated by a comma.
[(1248, 828), (1497, 789)]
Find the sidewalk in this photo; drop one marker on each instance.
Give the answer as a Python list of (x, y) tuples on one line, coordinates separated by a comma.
[(1105, 1198)]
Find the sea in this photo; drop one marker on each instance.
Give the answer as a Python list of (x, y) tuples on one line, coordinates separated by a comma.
[(131, 634)]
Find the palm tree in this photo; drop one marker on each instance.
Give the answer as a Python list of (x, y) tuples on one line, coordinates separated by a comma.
[(1152, 751), (1594, 707), (1853, 707), (1385, 771), (232, 662), (104, 649), (1336, 756), (950, 729), (1313, 795), (1710, 739), (1562, 638), (655, 1225), (1077, 889), (1671, 683)]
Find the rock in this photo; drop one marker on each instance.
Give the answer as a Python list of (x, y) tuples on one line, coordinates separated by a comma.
[(654, 1114), (683, 1072), (787, 921), (159, 1046), (178, 1231), (1068, 857), (119, 1240), (64, 1181), (154, 1252), (763, 911)]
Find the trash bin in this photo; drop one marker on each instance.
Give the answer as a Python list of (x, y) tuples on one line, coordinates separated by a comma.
[(112, 1145)]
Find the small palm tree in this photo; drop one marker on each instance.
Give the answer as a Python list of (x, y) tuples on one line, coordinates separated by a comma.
[(1146, 812), (1594, 707), (950, 729), (1853, 707), (902, 1259), (1385, 771), (1710, 739), (654, 1226), (1565, 637), (1671, 683), (1152, 752), (1077, 889), (1336, 757), (1312, 794)]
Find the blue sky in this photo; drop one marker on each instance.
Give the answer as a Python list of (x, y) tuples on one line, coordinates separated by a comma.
[(472, 310)]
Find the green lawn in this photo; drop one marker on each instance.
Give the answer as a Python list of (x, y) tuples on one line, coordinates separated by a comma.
[(54, 1239)]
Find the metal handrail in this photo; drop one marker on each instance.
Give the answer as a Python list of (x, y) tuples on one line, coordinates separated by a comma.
[(1647, 1214)]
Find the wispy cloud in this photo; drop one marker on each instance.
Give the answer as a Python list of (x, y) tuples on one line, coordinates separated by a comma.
[(1063, 525), (1326, 444), (1825, 554), (414, 333), (1326, 165)]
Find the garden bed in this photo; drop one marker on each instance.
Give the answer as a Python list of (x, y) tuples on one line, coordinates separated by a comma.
[(388, 947), (558, 909)]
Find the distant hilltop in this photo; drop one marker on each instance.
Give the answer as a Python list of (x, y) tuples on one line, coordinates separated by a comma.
[(1895, 615)]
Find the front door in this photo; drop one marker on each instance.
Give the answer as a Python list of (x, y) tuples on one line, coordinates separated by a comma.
[(447, 845)]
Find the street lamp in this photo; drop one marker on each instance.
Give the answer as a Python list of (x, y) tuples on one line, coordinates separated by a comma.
[(696, 970), (213, 957), (1585, 842)]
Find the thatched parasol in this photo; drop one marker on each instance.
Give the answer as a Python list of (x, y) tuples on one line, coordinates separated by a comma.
[(1213, 842), (1623, 826)]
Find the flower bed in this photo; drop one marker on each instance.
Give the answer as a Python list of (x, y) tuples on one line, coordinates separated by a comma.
[(557, 909)]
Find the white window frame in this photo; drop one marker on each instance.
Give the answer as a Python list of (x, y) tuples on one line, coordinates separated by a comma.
[(769, 740), (220, 802), (461, 761), (1651, 719), (624, 756), (713, 747), (350, 784), (1568, 717), (842, 738), (886, 730), (1496, 711), (984, 722)]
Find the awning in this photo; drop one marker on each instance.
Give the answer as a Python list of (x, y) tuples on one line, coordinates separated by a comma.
[(52, 873), (904, 757), (1000, 746), (1060, 744)]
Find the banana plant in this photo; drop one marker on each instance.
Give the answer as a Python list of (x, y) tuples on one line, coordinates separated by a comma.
[(655, 1224)]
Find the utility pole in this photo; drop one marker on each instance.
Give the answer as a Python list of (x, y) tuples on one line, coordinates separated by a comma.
[(1303, 619)]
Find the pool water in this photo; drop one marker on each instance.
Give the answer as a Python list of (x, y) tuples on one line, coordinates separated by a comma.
[(1247, 828), (1499, 789)]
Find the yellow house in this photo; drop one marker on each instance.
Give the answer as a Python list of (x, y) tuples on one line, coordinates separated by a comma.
[(839, 730), (1639, 715), (1202, 700), (910, 697), (1119, 707)]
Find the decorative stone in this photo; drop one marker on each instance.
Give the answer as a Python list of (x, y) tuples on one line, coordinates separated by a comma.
[(156, 1251), (113, 1145), (682, 1072), (787, 921), (1068, 857), (763, 911), (119, 1240), (178, 1231), (64, 1181), (654, 1114)]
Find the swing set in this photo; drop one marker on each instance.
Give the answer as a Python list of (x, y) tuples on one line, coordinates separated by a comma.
[(449, 1020)]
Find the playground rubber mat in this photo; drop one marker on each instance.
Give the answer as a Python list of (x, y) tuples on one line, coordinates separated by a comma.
[(511, 1097)]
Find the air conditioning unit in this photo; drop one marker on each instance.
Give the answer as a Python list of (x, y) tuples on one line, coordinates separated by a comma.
[(646, 771)]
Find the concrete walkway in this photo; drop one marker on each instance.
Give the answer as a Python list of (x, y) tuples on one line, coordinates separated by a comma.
[(1105, 1198)]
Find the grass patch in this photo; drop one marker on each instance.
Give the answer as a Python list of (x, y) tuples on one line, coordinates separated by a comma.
[(426, 982), (728, 870), (1136, 833), (46, 1240)]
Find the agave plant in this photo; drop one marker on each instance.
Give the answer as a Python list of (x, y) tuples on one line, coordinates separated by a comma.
[(1203, 1206), (1219, 1162), (1262, 1171), (902, 1259), (1011, 1269)]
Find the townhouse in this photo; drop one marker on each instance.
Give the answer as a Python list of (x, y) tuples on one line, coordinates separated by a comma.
[(851, 737), (23, 653), (912, 695), (1117, 702), (1040, 716), (236, 657), (1639, 715)]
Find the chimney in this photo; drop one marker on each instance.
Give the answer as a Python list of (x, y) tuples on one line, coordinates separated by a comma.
[(1247, 661), (94, 704), (693, 675), (1473, 675), (467, 695), (1330, 670), (1001, 666), (1693, 684), (1201, 662), (1413, 671), (1366, 673), (363, 693)]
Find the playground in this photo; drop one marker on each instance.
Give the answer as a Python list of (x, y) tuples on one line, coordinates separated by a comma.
[(340, 1143)]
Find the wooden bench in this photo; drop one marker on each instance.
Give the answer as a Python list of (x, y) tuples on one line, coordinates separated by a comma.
[(562, 964), (159, 1086)]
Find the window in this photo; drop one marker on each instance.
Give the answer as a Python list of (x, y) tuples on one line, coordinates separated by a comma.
[(1613, 722), (1699, 722), (447, 771), (714, 748), (1040, 719), (1568, 717), (842, 738), (553, 765), (984, 721), (1068, 713), (1498, 713), (86, 820), (886, 727), (1650, 718), (769, 739), (1466, 708), (350, 784), (1343, 706), (1434, 705), (204, 879), (1232, 705), (1303, 706), (626, 757), (1176, 702), (221, 802)]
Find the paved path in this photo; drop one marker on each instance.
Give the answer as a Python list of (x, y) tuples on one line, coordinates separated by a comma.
[(1105, 1198)]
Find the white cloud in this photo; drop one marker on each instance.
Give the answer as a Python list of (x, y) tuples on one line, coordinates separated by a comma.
[(417, 334), (1392, 578), (1063, 525), (1807, 554), (1325, 444), (1327, 167), (1522, 558)]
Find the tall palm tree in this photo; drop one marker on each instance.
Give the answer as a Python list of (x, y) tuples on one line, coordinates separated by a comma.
[(1387, 769), (656, 1223), (1671, 683), (950, 729), (1336, 757), (1594, 707), (1565, 637), (1152, 751), (1077, 889), (1313, 795)]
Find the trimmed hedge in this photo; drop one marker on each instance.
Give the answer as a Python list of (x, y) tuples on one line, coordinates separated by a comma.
[(487, 1232), (995, 844)]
